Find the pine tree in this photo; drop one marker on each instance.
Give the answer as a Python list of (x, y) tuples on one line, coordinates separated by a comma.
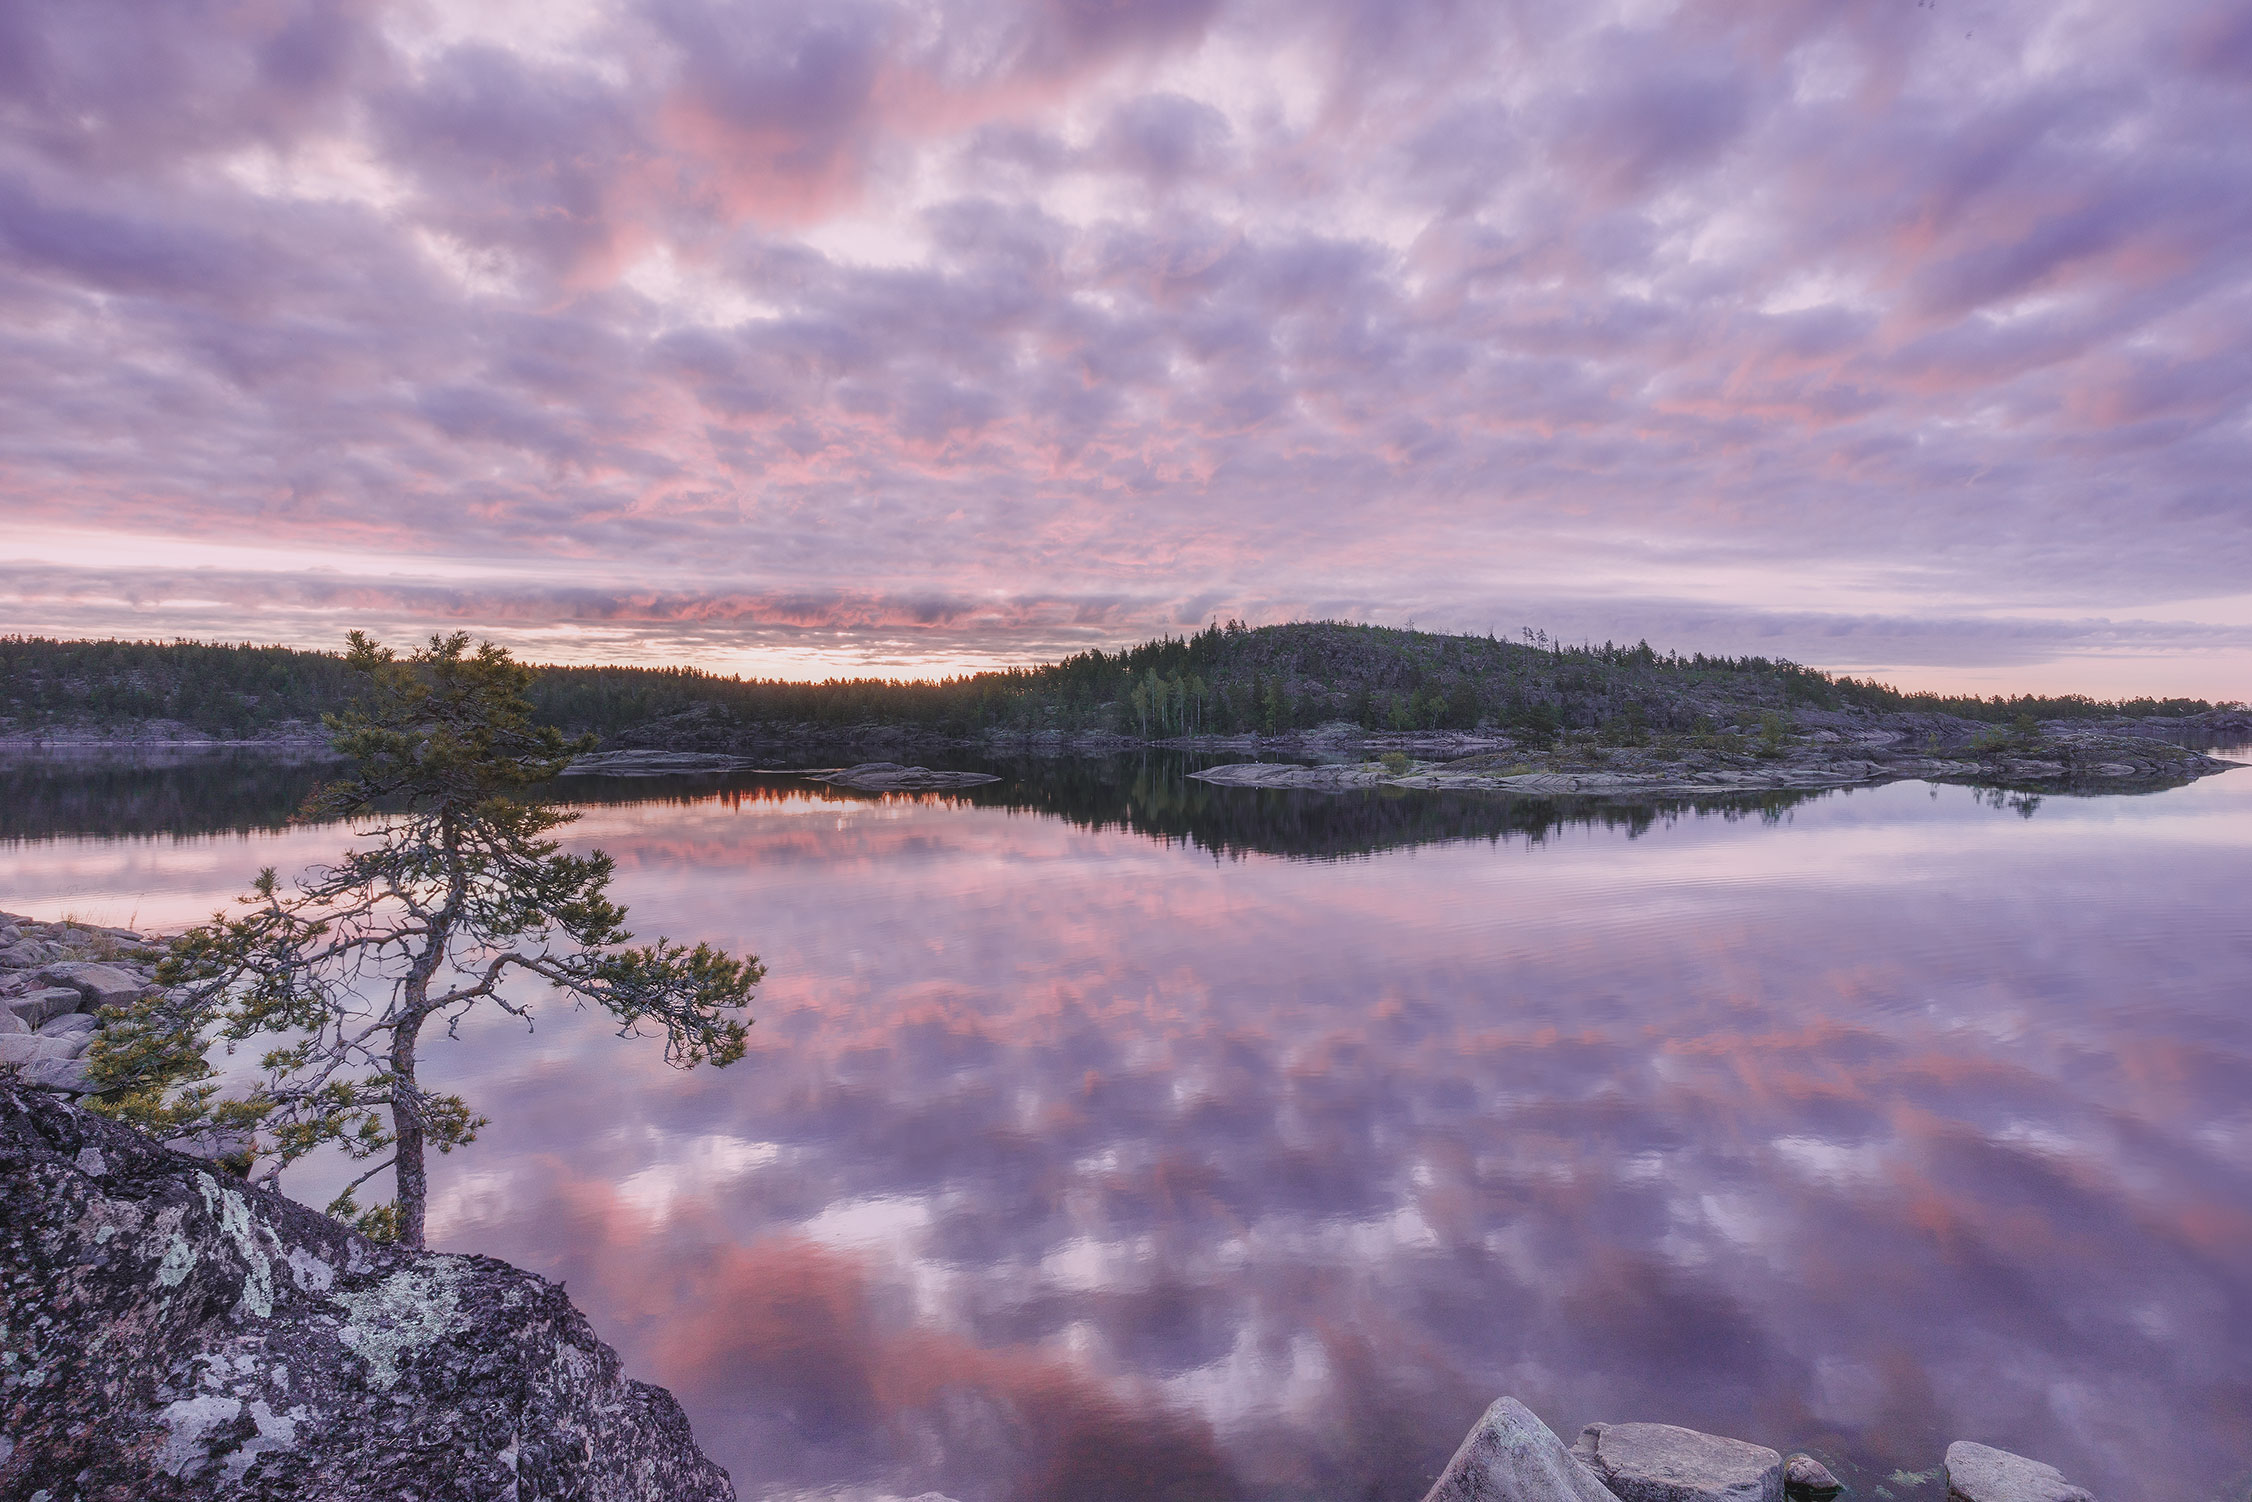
[(456, 893)]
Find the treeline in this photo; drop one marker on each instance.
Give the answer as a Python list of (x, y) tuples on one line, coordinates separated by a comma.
[(226, 691), (1223, 680)]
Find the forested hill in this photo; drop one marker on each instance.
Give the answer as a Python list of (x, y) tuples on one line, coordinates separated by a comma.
[(1224, 680)]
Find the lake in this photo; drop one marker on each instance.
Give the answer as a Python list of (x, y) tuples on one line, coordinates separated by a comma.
[(1106, 1135)]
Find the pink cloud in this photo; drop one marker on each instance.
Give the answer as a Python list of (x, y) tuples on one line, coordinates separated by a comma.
[(1359, 332)]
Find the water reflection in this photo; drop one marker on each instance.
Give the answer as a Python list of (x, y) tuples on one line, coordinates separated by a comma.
[(1152, 795), (1071, 1161)]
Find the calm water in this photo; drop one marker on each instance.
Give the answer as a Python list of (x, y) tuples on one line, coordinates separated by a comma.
[(1107, 1136)]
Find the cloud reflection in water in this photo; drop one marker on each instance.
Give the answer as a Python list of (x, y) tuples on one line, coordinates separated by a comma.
[(1068, 1162)]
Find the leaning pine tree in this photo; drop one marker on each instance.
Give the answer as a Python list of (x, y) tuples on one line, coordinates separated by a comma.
[(456, 893)]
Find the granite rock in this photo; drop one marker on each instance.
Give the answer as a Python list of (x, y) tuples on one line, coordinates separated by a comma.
[(173, 1333), (1511, 1456), (215, 1143), (36, 1006), (64, 1076), (1804, 1476), (31, 1048), (1665, 1463), (1981, 1473), (98, 984), (25, 953)]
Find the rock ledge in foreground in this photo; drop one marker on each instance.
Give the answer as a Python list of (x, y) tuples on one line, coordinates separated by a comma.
[(172, 1333)]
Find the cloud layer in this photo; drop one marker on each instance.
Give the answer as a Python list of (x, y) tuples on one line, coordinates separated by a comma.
[(950, 333)]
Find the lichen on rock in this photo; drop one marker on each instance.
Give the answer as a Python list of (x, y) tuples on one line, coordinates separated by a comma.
[(405, 1312), (166, 1333)]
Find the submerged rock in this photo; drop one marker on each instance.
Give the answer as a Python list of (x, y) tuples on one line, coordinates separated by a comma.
[(172, 1333), (1513, 1457), (1665, 1463), (1981, 1473), (1804, 1476)]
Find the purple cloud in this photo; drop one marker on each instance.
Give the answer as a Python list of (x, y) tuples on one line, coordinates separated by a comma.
[(1746, 318)]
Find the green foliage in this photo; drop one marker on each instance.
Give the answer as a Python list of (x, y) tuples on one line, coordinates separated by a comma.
[(1222, 680), (1395, 762), (1630, 727), (378, 1223), (456, 891), (1774, 733)]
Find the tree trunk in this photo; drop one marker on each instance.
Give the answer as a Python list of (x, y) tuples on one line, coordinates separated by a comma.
[(406, 1126)]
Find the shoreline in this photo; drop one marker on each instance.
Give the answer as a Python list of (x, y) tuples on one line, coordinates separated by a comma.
[(1620, 774), (1818, 751)]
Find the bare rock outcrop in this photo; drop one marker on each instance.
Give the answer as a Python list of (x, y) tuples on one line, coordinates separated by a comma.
[(171, 1333)]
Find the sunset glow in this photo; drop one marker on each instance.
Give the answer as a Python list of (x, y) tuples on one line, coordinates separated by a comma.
[(1906, 340)]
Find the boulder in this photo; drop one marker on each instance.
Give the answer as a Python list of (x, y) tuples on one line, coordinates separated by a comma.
[(1511, 1456), (1981, 1473), (25, 953), (1664, 1463), (36, 1006), (63, 1076), (67, 1023), (11, 1022), (31, 1048), (100, 985), (178, 1334), (1806, 1477)]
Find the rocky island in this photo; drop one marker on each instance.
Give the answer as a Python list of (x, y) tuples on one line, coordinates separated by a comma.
[(1554, 717)]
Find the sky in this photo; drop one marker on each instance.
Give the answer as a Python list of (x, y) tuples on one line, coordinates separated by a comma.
[(1909, 338)]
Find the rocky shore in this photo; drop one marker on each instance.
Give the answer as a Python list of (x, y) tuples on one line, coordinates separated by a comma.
[(1511, 1456), (55, 978), (168, 1332), (2051, 757), (293, 738), (1803, 749)]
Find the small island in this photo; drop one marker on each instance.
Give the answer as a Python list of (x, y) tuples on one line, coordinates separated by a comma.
[(1349, 705)]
